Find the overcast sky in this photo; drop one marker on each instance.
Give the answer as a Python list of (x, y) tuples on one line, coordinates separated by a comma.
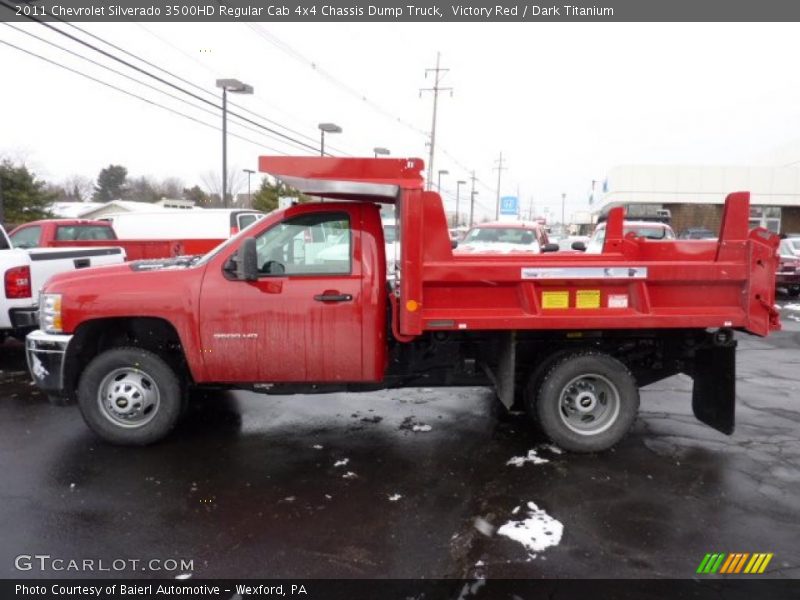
[(563, 102)]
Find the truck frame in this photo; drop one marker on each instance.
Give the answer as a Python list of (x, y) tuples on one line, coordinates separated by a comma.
[(570, 337)]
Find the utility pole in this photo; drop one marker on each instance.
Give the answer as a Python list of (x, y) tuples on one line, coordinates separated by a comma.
[(500, 168), (472, 201), (437, 79)]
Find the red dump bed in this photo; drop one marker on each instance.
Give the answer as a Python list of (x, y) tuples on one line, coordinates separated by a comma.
[(635, 283)]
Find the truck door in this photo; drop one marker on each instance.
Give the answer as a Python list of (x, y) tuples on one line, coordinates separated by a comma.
[(301, 320)]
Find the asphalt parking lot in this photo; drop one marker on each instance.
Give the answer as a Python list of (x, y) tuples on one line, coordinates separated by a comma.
[(411, 483)]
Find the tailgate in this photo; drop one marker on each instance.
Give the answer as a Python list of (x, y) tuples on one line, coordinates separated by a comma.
[(46, 262)]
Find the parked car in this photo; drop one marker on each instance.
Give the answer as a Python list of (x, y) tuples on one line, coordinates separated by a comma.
[(790, 246), (788, 274), (650, 230), (505, 237), (697, 233), (61, 233), (25, 272)]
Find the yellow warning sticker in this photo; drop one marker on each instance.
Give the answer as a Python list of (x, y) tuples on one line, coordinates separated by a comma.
[(587, 299), (555, 299)]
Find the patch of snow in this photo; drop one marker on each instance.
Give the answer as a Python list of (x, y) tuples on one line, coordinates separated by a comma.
[(536, 533), (341, 463), (317, 447), (71, 486), (328, 496), (552, 448), (484, 527), (532, 457), (480, 563), (394, 497), (183, 576), (791, 306), (516, 510), (422, 428), (38, 368), (289, 499), (349, 475), (793, 318)]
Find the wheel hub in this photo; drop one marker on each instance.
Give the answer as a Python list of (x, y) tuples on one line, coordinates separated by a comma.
[(128, 397)]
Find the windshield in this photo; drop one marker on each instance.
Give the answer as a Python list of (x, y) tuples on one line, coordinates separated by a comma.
[(501, 235)]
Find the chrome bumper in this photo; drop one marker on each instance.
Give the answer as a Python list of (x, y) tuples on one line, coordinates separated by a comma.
[(46, 354)]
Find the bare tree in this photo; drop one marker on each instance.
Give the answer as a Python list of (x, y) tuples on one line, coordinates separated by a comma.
[(212, 181), (78, 188)]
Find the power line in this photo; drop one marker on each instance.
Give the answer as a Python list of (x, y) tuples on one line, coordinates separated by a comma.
[(218, 76), (133, 79), (437, 79), (129, 93), (161, 79)]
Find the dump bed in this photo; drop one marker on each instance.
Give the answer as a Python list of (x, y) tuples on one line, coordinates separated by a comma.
[(634, 284)]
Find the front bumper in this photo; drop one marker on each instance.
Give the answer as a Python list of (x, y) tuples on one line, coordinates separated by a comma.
[(46, 354)]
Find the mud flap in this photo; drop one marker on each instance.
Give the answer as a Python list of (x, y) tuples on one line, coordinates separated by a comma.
[(714, 393), (503, 376)]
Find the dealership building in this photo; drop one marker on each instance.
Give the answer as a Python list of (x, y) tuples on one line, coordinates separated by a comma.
[(694, 195)]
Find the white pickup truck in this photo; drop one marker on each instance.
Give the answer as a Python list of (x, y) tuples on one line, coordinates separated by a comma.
[(24, 273)]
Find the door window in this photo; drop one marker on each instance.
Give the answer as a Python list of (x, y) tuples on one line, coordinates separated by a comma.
[(27, 238), (312, 244)]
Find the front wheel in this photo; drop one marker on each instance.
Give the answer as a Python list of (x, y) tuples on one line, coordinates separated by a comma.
[(587, 402), (130, 396)]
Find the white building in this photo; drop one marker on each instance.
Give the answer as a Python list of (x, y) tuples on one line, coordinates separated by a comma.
[(695, 194)]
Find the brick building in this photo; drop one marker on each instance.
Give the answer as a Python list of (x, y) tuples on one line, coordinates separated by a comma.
[(695, 195)]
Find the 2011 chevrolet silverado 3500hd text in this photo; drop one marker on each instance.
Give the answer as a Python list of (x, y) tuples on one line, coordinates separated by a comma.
[(570, 336)]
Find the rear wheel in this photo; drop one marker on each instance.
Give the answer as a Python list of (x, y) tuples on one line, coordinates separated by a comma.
[(130, 396), (586, 402)]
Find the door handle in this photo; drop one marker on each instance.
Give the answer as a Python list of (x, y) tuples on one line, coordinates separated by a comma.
[(333, 297), (81, 263)]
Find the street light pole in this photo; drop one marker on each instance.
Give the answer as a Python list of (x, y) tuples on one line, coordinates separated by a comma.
[(439, 179), (237, 87), (323, 129), (249, 195), (459, 183)]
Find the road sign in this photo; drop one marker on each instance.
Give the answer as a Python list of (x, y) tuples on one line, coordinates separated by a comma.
[(509, 205)]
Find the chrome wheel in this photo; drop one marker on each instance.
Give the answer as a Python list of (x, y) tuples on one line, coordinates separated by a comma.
[(128, 397), (589, 404)]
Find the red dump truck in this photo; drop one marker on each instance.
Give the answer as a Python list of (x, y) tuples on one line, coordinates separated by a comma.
[(300, 303)]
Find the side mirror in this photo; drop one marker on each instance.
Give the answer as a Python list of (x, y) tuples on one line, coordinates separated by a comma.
[(550, 248), (453, 244), (579, 246), (244, 264)]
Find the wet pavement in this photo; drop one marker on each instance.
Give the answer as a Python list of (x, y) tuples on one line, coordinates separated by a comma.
[(406, 484)]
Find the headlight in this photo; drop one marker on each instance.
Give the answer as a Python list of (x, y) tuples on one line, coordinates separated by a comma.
[(50, 313)]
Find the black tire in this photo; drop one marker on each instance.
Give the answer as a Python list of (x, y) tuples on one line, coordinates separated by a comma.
[(56, 400), (138, 371), (591, 379)]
